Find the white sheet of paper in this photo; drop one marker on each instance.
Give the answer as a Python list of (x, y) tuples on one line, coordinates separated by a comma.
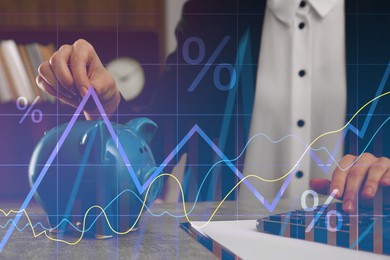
[(242, 239)]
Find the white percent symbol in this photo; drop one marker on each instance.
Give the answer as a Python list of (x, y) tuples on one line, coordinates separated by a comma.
[(322, 209), (22, 105)]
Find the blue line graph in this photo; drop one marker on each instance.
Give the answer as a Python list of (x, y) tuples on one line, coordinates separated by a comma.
[(245, 76), (65, 221), (195, 129), (360, 133), (79, 175), (141, 189)]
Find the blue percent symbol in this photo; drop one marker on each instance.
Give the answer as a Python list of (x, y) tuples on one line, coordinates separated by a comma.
[(320, 212), (36, 114), (218, 69)]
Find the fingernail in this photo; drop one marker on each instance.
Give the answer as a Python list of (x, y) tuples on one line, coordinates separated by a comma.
[(348, 205), (84, 90), (368, 191), (337, 192)]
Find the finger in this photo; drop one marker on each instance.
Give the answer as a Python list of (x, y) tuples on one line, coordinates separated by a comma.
[(375, 174), (42, 84), (59, 64), (385, 181), (355, 179), (320, 185), (46, 72), (82, 56), (340, 174), (74, 101)]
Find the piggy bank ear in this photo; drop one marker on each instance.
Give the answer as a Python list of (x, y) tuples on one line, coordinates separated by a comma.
[(144, 127)]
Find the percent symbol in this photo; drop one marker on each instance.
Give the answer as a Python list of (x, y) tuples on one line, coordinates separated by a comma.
[(22, 105), (321, 211), (218, 69)]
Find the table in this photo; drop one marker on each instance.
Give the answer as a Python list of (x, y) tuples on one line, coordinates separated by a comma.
[(157, 237)]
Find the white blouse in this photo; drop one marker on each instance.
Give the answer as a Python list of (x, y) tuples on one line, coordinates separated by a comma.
[(300, 94)]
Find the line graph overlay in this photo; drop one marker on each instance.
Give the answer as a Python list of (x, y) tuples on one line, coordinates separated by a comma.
[(83, 230), (166, 212), (141, 189), (44, 171), (325, 167), (186, 213), (195, 129)]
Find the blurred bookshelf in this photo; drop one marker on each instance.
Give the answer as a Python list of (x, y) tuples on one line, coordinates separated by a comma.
[(135, 15), (34, 29)]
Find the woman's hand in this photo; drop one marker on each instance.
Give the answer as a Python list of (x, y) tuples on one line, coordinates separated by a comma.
[(71, 71), (356, 178)]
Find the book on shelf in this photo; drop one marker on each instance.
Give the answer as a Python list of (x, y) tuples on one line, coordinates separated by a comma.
[(29, 68), (19, 69), (6, 95), (16, 68)]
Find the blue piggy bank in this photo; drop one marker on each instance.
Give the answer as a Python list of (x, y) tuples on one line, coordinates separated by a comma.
[(89, 170)]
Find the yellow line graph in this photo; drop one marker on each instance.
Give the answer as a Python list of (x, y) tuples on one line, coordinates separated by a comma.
[(182, 192), (186, 215)]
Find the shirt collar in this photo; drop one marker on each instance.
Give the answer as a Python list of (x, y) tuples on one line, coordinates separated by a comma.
[(322, 7), (285, 10)]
